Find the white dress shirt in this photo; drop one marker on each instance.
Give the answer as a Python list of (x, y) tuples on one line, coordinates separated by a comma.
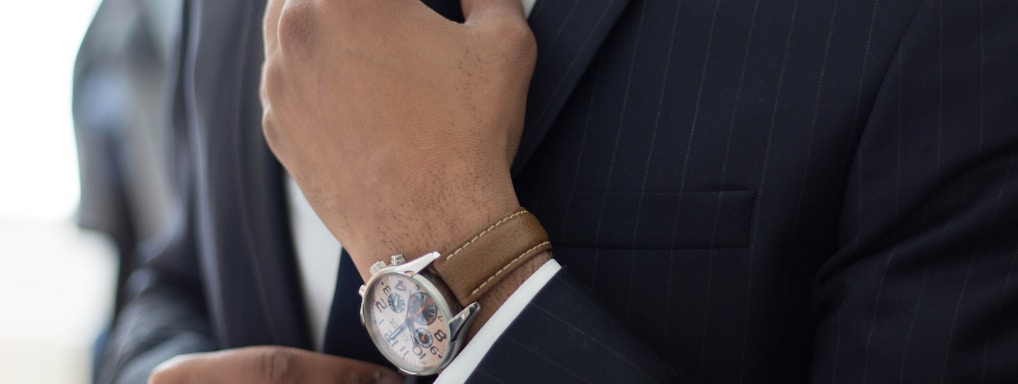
[(318, 262)]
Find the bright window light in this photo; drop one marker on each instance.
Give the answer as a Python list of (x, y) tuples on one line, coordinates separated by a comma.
[(38, 160)]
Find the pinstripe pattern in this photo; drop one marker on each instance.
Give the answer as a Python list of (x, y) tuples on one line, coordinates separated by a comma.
[(996, 317), (763, 184), (940, 83), (1009, 271), (911, 326), (579, 158), (717, 207), (740, 191), (618, 134), (873, 319), (755, 225), (650, 156), (830, 114)]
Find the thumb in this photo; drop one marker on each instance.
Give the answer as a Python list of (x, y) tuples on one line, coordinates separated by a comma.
[(475, 11), (327, 369), (270, 365)]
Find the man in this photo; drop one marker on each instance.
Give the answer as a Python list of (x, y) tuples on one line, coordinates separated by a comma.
[(750, 191)]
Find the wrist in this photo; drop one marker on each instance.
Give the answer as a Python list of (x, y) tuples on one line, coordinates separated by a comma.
[(437, 218), (456, 292)]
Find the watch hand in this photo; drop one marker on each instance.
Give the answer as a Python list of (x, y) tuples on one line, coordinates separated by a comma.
[(420, 310), (398, 331), (409, 324)]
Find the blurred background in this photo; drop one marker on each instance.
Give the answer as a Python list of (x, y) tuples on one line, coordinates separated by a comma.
[(56, 281)]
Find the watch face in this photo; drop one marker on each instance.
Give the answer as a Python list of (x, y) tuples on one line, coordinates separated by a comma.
[(409, 324)]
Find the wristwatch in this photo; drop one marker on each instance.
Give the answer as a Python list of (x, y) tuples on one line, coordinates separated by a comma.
[(417, 312)]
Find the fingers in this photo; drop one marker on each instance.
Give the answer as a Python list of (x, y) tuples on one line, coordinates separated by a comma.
[(475, 11), (326, 369), (270, 365)]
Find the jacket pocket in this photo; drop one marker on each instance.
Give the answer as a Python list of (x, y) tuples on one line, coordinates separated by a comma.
[(691, 220)]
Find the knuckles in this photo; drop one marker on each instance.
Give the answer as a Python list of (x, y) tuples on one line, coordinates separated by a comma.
[(270, 131), (514, 40), (296, 28), (271, 83), (516, 34), (271, 87), (304, 25)]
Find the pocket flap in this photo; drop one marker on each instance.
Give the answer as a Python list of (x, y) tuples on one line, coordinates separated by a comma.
[(690, 220)]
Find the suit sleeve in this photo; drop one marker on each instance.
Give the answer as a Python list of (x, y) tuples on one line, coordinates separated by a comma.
[(165, 317), (564, 335), (924, 286), (165, 314)]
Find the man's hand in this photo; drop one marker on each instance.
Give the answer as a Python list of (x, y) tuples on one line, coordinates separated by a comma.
[(269, 365), (399, 125)]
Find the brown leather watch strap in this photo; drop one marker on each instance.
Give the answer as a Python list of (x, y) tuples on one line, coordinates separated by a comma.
[(482, 261)]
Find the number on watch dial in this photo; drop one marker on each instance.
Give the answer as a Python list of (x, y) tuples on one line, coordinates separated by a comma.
[(409, 320)]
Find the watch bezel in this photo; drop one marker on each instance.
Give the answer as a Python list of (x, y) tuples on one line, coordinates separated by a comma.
[(457, 318)]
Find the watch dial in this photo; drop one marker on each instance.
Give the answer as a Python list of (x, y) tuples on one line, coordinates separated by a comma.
[(407, 324)]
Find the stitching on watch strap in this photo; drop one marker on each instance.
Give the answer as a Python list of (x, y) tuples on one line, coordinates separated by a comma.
[(506, 267), (485, 232)]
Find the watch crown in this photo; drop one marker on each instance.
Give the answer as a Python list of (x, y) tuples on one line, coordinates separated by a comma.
[(377, 266), (360, 291), (398, 259)]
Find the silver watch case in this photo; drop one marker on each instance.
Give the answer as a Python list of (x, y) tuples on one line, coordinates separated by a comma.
[(459, 318)]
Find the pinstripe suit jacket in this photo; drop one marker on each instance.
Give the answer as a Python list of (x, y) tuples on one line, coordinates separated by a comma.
[(768, 191)]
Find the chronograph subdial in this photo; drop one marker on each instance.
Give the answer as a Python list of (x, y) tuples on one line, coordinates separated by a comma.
[(422, 308), (396, 302), (422, 337)]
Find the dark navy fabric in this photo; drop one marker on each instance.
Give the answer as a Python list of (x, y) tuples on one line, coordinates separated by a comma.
[(741, 191), (344, 334)]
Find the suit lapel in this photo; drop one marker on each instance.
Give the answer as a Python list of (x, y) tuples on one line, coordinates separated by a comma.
[(568, 33)]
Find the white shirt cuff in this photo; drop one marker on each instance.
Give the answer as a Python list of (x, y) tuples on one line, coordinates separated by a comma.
[(463, 365)]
